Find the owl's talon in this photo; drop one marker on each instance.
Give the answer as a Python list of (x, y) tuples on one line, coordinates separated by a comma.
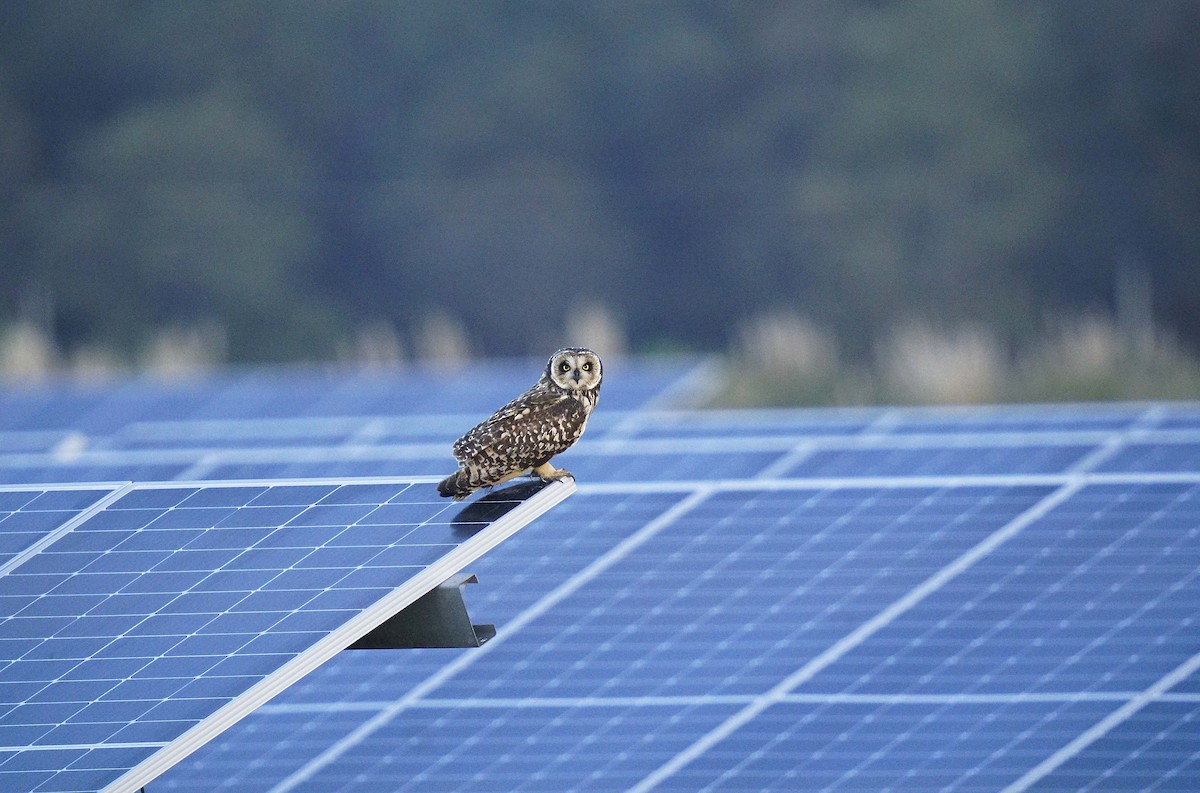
[(548, 473)]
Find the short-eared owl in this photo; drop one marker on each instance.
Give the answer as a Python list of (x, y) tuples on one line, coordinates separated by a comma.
[(523, 435)]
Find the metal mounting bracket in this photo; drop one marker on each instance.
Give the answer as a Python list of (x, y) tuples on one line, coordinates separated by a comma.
[(436, 619)]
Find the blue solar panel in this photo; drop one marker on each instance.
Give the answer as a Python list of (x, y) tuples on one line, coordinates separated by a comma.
[(1021, 419), (29, 515), (376, 465), (1159, 750), (659, 466), (944, 461), (905, 637), (884, 746), (143, 430), (859, 599), (737, 592), (1099, 595), (161, 609), (1154, 458), (1180, 418), (90, 472), (101, 410), (751, 423)]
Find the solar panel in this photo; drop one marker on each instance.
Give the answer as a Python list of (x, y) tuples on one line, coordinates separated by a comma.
[(940, 460), (28, 515), (912, 599), (1155, 457), (1017, 625), (160, 614), (143, 430), (290, 394)]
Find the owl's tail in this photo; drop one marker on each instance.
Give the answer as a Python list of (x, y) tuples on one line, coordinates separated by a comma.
[(457, 486)]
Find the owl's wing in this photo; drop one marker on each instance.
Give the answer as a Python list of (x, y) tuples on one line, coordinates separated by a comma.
[(495, 436)]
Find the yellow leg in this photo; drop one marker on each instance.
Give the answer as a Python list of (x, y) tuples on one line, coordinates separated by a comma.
[(549, 473)]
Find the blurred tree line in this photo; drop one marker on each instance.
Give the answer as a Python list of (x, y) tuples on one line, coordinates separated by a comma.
[(292, 171)]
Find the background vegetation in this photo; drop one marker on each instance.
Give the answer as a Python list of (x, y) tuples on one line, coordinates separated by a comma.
[(858, 183)]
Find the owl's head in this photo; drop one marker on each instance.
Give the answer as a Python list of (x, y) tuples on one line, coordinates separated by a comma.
[(575, 369)]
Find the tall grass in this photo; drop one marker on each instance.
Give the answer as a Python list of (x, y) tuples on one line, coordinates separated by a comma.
[(786, 360), (780, 358)]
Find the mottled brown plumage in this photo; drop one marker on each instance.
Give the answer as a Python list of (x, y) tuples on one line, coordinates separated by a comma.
[(523, 435)]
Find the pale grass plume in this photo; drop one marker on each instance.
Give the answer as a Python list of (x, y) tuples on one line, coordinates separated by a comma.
[(27, 353), (922, 364), (182, 351), (787, 343), (1094, 357), (375, 344), (441, 341), (597, 328)]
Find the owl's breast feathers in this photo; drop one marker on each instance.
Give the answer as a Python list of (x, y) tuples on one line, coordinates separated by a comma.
[(527, 431)]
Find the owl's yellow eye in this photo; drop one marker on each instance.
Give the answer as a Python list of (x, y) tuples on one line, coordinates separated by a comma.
[(564, 367), (587, 367)]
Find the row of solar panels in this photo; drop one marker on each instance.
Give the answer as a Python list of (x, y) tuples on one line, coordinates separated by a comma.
[(139, 620), (862, 599), (622, 446), (728, 636)]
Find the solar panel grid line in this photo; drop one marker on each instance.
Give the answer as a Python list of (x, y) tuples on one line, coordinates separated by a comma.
[(287, 481), (602, 563), (55, 486), (52, 537), (356, 430), (1153, 415), (236, 454), (897, 421), (205, 464), (32, 439), (899, 483), (694, 700), (1041, 410), (608, 442), (616, 447), (334, 453), (735, 445), (1100, 454), (798, 454), (960, 438), (782, 420), (216, 429), (884, 423), (1139, 430), (65, 746), (202, 462), (860, 634), (336, 641), (102, 457), (970, 439), (1105, 725), (368, 432), (213, 460)]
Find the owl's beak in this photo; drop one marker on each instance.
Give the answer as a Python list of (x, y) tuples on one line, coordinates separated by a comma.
[(577, 375)]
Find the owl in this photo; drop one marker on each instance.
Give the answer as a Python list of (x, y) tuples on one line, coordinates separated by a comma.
[(522, 436)]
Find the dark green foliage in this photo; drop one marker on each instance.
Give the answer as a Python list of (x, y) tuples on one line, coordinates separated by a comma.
[(294, 170)]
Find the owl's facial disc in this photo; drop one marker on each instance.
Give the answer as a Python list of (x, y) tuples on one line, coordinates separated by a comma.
[(575, 369)]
